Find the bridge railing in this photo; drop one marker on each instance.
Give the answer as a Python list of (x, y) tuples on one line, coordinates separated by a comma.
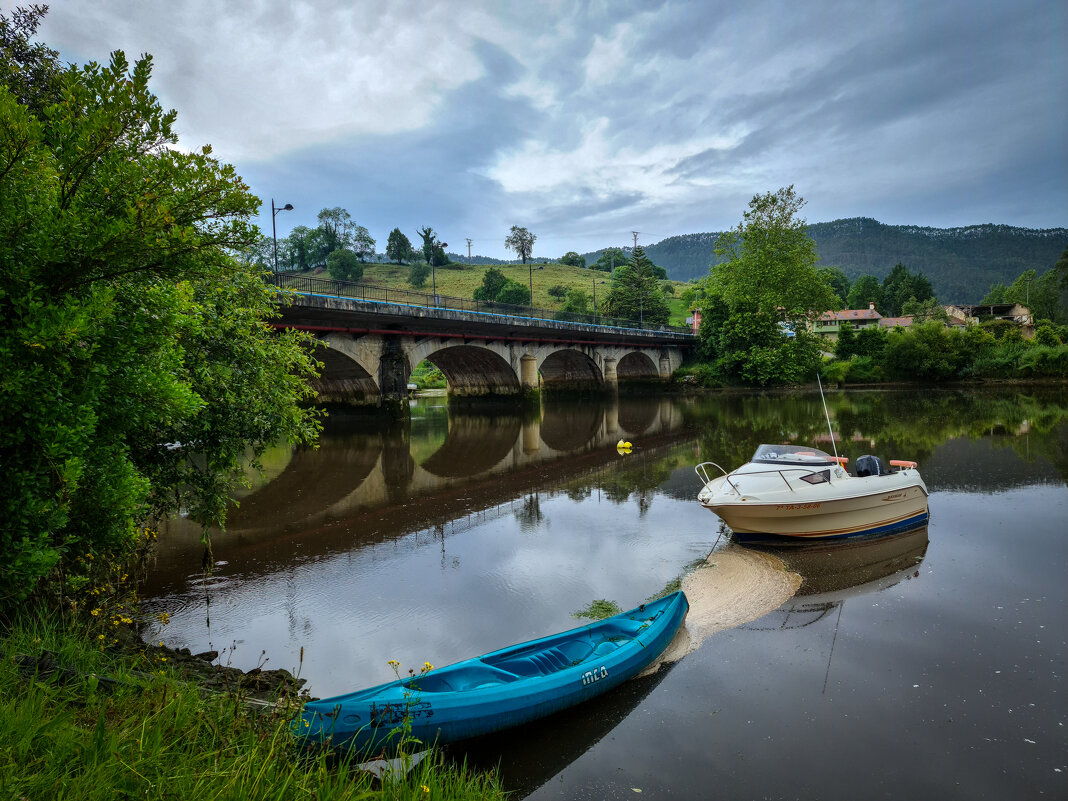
[(311, 285)]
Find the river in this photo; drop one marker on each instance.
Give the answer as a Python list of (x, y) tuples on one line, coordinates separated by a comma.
[(927, 665)]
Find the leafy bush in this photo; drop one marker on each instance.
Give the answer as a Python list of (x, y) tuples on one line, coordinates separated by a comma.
[(1046, 335), (865, 370), (835, 372), (136, 359), (1044, 361), (702, 374), (344, 265), (513, 293), (418, 272)]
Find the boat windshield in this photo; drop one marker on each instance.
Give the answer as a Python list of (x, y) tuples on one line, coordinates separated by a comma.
[(791, 454)]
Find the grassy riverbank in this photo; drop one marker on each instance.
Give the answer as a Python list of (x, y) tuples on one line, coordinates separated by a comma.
[(110, 724)]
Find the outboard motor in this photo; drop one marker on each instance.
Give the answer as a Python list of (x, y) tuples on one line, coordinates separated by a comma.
[(870, 466)]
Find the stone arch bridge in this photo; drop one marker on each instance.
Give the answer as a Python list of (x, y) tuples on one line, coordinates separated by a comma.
[(369, 349)]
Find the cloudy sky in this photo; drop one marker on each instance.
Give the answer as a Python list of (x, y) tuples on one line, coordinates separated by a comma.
[(585, 121)]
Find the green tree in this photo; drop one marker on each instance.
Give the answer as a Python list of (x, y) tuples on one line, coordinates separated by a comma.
[(768, 276), (1061, 268), (901, 285), (398, 247), (770, 261), (870, 342), (865, 290), (428, 236), (634, 292), (344, 265), (492, 283), (573, 259), (521, 241), (609, 259), (301, 245), (557, 291), (418, 272), (514, 294), (924, 310), (846, 346), (29, 69), (576, 305), (839, 283), (137, 365)]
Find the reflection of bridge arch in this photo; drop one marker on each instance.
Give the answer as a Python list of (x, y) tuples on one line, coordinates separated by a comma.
[(475, 444), (571, 427)]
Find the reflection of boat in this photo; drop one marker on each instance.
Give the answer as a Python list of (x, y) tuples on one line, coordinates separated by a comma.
[(501, 689), (792, 491), (526, 758), (834, 570)]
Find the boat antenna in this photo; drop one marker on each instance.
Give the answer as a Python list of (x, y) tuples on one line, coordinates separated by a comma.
[(828, 416)]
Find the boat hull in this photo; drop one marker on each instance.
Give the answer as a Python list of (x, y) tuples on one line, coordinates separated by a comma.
[(501, 689), (882, 505)]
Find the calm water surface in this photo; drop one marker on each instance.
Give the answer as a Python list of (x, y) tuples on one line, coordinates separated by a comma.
[(928, 665)]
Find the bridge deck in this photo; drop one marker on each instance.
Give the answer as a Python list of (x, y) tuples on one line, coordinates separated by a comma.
[(322, 304)]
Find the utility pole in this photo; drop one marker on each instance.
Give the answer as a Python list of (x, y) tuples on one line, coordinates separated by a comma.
[(468, 251), (635, 238)]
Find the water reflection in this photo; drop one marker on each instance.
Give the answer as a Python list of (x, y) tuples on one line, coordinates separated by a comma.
[(372, 479), (467, 530), (833, 572)]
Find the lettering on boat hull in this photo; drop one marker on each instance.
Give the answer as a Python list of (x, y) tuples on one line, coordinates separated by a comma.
[(590, 676)]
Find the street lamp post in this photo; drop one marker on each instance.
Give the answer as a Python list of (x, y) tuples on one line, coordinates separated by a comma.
[(531, 270), (274, 230), (434, 269)]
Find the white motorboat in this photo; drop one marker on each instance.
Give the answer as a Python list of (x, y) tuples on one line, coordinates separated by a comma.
[(798, 492)]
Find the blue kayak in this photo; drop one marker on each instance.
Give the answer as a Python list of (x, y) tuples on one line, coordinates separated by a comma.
[(501, 689)]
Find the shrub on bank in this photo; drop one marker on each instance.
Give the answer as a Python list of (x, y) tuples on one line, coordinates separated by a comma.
[(930, 352)]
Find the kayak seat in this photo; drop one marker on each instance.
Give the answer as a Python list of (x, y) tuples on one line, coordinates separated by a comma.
[(545, 661), (466, 677), (605, 648)]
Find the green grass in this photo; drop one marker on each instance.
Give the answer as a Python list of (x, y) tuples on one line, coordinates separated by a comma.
[(427, 376), (599, 610), (461, 280), (150, 735)]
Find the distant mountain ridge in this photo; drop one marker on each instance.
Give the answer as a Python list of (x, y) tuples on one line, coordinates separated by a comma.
[(961, 263)]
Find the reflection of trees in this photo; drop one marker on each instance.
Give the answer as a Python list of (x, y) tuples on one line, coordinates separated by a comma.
[(529, 514), (642, 478), (906, 424)]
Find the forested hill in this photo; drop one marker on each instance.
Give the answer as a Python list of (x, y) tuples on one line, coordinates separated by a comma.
[(961, 263)]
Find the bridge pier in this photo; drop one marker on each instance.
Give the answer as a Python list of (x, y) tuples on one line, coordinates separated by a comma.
[(611, 380), (393, 371), (528, 374)]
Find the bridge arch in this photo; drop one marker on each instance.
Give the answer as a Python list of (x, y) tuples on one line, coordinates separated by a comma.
[(570, 369), (350, 369), (637, 365), (469, 369)]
